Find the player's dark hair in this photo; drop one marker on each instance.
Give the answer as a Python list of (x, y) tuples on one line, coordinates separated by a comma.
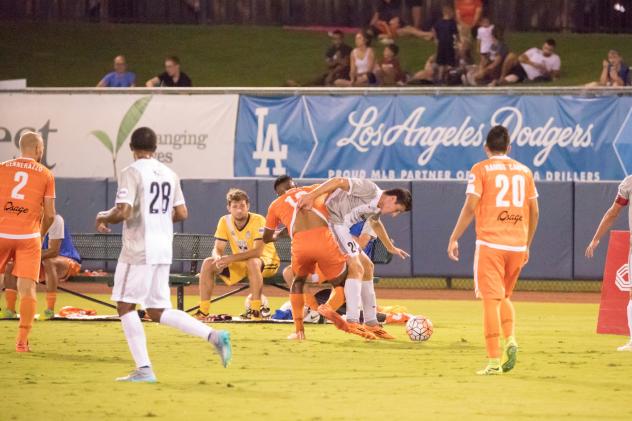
[(280, 180), (498, 32), (403, 196), (551, 42), (173, 59), (236, 195), (394, 48), (144, 139), (498, 139)]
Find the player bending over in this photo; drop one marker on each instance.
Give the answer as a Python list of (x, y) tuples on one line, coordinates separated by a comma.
[(502, 197), (27, 192), (149, 200), (624, 195), (350, 201), (312, 244), (60, 261), (243, 230)]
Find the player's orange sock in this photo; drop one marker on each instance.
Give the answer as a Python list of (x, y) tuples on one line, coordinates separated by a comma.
[(11, 296), (28, 306), (507, 317), (492, 327), (51, 299), (298, 306), (336, 298), (310, 300)]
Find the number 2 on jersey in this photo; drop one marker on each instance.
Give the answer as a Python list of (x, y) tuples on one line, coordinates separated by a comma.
[(21, 178), (517, 191), (158, 190)]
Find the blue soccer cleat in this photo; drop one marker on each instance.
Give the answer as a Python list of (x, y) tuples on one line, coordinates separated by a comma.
[(220, 339)]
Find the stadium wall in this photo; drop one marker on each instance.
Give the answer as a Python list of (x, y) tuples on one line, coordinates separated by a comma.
[(570, 211)]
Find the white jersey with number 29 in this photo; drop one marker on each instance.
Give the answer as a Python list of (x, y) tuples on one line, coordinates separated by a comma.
[(153, 190)]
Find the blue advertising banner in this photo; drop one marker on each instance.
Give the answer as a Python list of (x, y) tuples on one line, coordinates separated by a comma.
[(431, 137)]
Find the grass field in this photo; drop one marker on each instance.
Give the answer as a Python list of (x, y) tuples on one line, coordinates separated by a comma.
[(80, 54), (565, 372)]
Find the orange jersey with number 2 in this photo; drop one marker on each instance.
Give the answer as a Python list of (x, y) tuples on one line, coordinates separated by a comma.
[(505, 187), (24, 183)]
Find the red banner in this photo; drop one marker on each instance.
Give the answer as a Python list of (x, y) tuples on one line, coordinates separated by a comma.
[(615, 288)]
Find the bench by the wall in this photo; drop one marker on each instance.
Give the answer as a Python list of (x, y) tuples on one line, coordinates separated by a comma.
[(189, 250)]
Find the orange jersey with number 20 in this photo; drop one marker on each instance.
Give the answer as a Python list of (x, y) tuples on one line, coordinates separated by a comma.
[(505, 187)]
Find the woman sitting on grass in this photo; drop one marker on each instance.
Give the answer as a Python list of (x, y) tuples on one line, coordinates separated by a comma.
[(362, 63)]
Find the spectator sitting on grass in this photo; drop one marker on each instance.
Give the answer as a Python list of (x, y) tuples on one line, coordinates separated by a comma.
[(427, 75), (614, 72), (388, 24), (535, 64), (490, 67), (171, 77), (337, 60), (362, 63), (389, 71), (120, 77), (446, 34)]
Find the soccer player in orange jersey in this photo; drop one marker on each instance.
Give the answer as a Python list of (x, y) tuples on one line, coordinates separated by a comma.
[(312, 244), (27, 193), (502, 196)]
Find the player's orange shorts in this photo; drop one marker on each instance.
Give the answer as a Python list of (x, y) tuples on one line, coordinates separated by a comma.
[(496, 271), (72, 268), (26, 254), (317, 247)]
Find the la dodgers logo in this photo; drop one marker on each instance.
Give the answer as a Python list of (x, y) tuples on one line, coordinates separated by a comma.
[(268, 146)]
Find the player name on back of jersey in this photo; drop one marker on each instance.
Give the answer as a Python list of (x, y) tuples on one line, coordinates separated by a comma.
[(25, 165), (506, 166)]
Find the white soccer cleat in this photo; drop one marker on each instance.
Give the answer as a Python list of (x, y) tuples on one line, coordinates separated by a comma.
[(627, 347), (140, 375)]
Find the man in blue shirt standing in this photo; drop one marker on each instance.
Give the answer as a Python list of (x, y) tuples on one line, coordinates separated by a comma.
[(120, 77)]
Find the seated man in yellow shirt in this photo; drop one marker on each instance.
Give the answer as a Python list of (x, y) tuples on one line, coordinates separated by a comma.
[(249, 257)]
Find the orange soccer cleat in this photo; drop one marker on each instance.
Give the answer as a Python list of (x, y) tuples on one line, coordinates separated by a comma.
[(379, 332), (330, 314), (360, 330)]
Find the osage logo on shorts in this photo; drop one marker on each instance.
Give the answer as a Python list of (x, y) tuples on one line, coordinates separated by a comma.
[(622, 280), (17, 210)]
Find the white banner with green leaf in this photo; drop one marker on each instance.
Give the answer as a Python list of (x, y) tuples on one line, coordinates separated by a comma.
[(87, 135)]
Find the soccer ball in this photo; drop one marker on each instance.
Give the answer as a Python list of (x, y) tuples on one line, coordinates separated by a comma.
[(419, 328)]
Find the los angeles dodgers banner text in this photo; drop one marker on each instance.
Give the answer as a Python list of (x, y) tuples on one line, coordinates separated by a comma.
[(430, 137)]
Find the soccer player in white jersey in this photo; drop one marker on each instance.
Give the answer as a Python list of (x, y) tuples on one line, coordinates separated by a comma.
[(349, 201), (624, 195), (149, 200)]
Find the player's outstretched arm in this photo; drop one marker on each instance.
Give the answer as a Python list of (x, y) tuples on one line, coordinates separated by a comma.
[(116, 215), (307, 200), (381, 233), (608, 219), (464, 221), (269, 235)]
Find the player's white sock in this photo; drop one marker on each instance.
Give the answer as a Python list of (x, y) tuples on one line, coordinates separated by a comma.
[(369, 304), (135, 335), (630, 318), (187, 324), (353, 295)]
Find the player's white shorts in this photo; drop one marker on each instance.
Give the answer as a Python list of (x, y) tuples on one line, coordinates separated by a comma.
[(147, 285), (345, 240)]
